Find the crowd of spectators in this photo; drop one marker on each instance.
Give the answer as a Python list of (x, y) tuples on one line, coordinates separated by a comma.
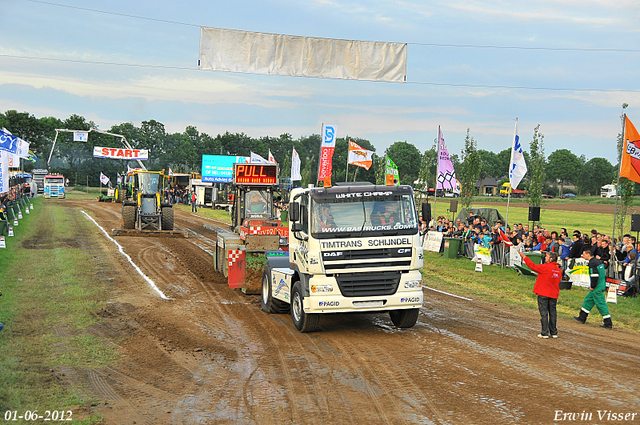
[(178, 195), (618, 256)]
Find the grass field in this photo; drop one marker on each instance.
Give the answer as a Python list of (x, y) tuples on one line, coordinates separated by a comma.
[(549, 218), (49, 294)]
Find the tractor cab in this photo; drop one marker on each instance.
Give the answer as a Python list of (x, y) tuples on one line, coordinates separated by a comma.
[(254, 214)]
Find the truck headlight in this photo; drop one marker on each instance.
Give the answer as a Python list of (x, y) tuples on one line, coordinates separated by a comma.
[(321, 288), (413, 284)]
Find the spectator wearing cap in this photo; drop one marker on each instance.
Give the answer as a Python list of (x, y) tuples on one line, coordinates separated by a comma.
[(547, 288)]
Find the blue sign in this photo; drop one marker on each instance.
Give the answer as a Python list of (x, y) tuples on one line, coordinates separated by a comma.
[(219, 168)]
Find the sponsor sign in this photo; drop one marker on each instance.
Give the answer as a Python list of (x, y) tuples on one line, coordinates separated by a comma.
[(116, 153), (327, 148), (432, 242), (3, 244), (10, 231)]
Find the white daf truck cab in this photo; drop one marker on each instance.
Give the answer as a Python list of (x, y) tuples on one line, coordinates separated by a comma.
[(352, 248)]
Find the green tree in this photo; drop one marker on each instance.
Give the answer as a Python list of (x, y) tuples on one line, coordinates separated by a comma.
[(596, 173), (536, 168), (428, 168), (563, 167), (408, 159), (469, 171), (488, 165)]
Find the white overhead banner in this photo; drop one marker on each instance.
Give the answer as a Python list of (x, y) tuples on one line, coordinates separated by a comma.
[(116, 153), (279, 54)]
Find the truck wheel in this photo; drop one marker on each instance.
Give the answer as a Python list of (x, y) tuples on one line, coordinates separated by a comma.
[(404, 318), (302, 321), (128, 216), (270, 304), (167, 218)]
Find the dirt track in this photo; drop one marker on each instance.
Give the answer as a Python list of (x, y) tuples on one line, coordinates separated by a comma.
[(210, 355)]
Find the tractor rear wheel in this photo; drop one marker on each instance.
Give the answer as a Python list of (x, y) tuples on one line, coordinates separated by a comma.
[(120, 192), (167, 218), (129, 216)]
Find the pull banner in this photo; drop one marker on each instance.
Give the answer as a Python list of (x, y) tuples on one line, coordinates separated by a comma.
[(278, 54), (326, 150), (115, 153)]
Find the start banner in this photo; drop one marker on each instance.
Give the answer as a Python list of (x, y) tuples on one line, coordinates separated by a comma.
[(115, 153)]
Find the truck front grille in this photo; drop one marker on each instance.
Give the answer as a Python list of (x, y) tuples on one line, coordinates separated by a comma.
[(397, 258), (368, 284)]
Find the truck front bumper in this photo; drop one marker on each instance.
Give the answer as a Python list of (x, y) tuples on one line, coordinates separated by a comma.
[(335, 302)]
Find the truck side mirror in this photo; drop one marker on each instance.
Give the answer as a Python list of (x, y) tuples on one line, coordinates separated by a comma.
[(294, 211), (296, 227), (426, 212)]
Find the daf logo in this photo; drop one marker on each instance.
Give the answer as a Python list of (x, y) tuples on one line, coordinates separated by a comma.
[(404, 250), (328, 303), (332, 254)]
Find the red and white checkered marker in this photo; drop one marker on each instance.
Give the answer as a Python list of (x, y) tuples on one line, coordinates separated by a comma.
[(236, 258)]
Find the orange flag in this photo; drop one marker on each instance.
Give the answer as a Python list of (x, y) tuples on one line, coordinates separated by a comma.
[(630, 167)]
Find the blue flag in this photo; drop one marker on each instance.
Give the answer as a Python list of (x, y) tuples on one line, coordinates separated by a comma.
[(8, 142)]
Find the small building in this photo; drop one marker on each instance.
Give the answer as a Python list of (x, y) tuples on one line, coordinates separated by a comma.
[(487, 186)]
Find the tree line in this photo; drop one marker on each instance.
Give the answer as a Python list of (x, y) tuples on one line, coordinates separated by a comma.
[(182, 153)]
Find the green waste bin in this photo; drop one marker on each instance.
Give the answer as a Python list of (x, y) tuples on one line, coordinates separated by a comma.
[(452, 247), (535, 256)]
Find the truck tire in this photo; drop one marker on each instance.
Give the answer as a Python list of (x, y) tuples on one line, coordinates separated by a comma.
[(167, 218), (128, 216), (404, 318), (270, 304), (302, 321)]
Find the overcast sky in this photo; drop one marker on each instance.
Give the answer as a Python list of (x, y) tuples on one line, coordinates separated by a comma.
[(567, 65)]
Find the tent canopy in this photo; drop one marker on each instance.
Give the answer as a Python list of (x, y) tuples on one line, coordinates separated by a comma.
[(492, 215)]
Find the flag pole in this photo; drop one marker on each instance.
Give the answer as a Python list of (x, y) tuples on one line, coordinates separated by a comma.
[(346, 174), (513, 147), (615, 211), (435, 189)]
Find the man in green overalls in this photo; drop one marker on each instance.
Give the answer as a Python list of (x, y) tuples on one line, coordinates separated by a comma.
[(596, 291)]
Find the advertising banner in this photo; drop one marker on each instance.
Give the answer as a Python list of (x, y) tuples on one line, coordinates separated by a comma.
[(219, 168), (116, 153), (327, 148)]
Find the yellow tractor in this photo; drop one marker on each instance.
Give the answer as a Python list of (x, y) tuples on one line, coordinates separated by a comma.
[(143, 206)]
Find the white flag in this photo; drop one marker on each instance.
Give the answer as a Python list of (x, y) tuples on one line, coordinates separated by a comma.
[(80, 136), (104, 179), (257, 158), (272, 158), (295, 166), (170, 172), (517, 167), (23, 148), (4, 171)]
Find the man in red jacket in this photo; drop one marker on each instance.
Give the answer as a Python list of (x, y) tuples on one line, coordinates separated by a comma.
[(547, 287)]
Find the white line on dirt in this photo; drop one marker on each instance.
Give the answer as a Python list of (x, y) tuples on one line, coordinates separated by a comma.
[(446, 293), (144, 276)]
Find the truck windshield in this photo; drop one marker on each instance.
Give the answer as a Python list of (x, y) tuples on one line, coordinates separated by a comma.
[(149, 183), (386, 215), (54, 180)]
